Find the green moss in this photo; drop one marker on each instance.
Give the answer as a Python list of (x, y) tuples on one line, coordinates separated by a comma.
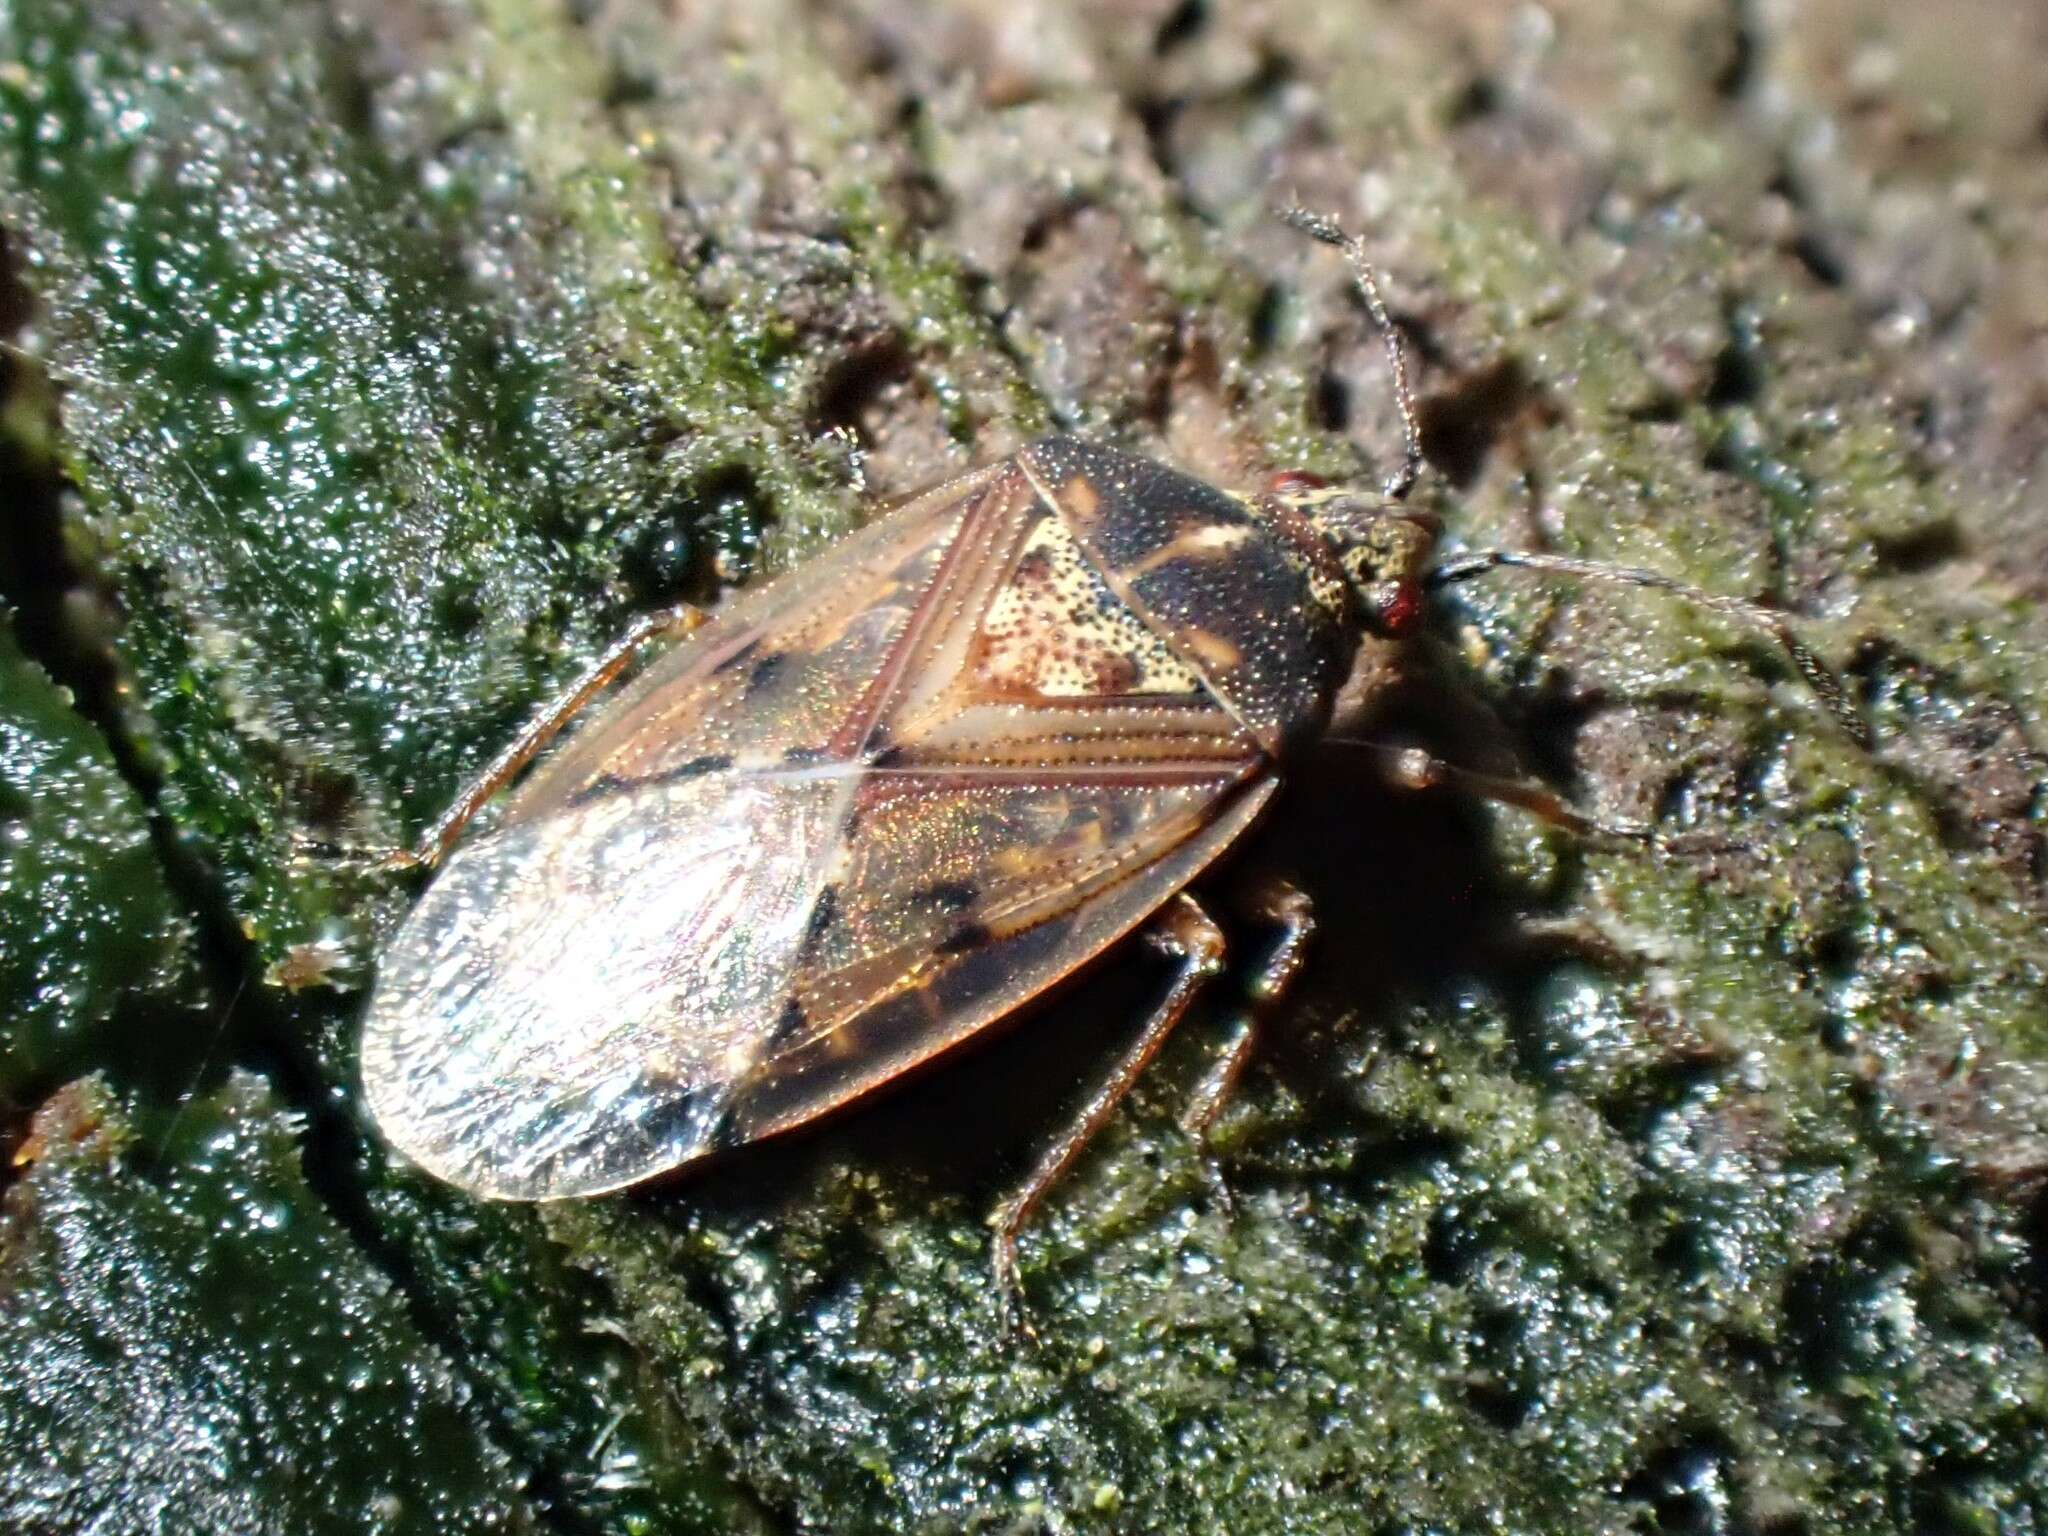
[(194, 1346), (381, 421), (98, 967), (372, 499), (291, 429), (1609, 1291), (546, 1360)]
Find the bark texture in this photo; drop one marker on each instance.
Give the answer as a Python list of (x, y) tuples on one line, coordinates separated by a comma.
[(375, 362)]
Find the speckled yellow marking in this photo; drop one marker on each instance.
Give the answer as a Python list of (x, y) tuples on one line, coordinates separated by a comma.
[(1015, 862), (1203, 541), (1055, 631), (1324, 589), (1078, 497)]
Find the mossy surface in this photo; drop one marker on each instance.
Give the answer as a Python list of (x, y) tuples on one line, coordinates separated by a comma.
[(99, 959), (194, 1345), (404, 351)]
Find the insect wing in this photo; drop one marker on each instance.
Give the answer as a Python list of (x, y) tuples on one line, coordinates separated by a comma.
[(771, 679), (1043, 772), (571, 1002), (860, 814), (569, 1005), (895, 982)]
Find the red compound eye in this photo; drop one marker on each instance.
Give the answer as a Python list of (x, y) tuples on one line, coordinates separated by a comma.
[(1403, 610), (1293, 482)]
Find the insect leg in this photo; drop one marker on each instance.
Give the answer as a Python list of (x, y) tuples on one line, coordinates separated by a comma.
[(499, 772), (1288, 908), (1185, 930), (1826, 686), (1413, 768)]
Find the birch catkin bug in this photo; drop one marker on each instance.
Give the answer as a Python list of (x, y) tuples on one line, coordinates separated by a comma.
[(881, 802)]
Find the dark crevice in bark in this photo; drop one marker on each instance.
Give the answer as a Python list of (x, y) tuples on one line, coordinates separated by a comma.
[(63, 614), (37, 580), (44, 587)]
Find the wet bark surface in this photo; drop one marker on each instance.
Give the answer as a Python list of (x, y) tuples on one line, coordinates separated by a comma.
[(373, 364)]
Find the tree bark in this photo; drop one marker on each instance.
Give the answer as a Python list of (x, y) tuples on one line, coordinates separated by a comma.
[(379, 362)]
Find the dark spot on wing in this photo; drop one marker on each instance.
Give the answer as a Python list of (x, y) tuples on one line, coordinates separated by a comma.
[(823, 915), (601, 786), (975, 974), (962, 939), (679, 1119), (792, 1023), (766, 670), (797, 1076), (614, 783), (950, 894), (697, 767), (888, 758), (805, 757)]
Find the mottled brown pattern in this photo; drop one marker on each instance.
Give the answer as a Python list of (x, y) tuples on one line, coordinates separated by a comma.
[(1055, 631), (1213, 578), (776, 670), (856, 817)]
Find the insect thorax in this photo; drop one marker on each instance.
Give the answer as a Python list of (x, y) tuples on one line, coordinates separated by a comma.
[(1243, 590)]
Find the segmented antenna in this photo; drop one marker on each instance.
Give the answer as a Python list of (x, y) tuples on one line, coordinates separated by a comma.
[(1317, 227)]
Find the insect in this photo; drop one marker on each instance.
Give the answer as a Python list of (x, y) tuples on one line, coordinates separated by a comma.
[(871, 808)]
